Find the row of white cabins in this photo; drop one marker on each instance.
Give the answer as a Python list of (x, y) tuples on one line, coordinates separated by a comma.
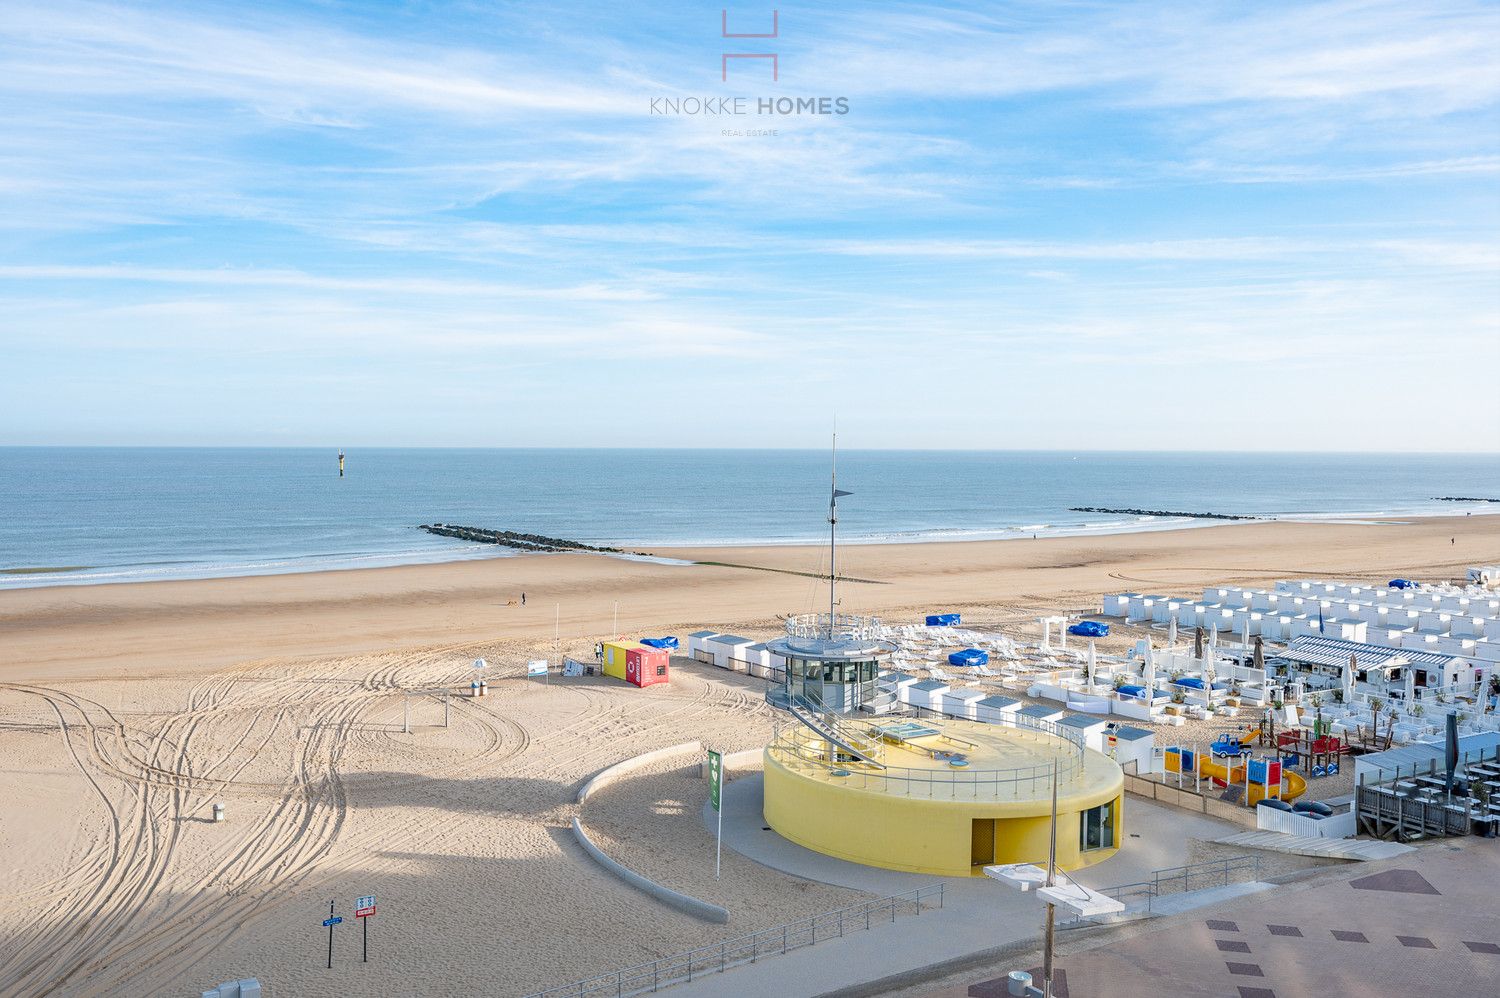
[(1442, 624)]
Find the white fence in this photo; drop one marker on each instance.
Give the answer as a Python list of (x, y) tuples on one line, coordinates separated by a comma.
[(1338, 826)]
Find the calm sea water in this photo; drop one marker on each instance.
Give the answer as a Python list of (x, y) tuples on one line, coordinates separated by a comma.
[(115, 515)]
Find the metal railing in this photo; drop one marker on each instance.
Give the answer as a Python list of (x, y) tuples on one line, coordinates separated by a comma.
[(1181, 879), (807, 753), (793, 744), (719, 957), (846, 626)]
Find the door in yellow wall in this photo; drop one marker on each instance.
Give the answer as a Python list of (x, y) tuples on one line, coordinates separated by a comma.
[(982, 851)]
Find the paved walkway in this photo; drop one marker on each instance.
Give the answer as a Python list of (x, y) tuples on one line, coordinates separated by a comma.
[(978, 914), (1423, 923)]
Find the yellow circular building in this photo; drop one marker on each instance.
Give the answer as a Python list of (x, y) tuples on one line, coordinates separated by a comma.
[(936, 796)]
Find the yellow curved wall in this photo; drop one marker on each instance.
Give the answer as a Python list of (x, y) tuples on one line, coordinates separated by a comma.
[(919, 835)]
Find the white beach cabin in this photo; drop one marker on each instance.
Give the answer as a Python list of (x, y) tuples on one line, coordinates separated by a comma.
[(962, 702), (926, 693), (697, 647), (996, 709)]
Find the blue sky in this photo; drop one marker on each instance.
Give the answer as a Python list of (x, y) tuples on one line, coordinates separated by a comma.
[(1160, 225)]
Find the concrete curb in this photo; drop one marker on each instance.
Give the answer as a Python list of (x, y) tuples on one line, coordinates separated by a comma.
[(604, 777), (734, 761), (682, 902)]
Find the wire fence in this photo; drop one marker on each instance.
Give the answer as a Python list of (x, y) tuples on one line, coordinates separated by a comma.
[(716, 958), (1182, 879)]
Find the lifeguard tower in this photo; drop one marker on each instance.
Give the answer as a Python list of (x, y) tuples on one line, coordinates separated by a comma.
[(831, 662)]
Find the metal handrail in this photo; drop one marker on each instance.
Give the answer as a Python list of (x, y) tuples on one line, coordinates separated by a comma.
[(1152, 889), (910, 782), (977, 784), (719, 957)]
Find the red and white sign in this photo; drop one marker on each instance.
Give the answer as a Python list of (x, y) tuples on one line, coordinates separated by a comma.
[(364, 907)]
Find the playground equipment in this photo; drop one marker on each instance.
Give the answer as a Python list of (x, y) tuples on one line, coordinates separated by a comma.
[(1233, 743), (1262, 779), (1318, 755)]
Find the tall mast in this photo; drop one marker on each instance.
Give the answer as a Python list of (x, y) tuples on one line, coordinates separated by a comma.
[(833, 499)]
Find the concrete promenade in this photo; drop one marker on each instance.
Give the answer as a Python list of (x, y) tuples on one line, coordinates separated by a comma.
[(978, 914), (1422, 923)]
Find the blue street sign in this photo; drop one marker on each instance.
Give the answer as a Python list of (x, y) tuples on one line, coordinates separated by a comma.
[(333, 921)]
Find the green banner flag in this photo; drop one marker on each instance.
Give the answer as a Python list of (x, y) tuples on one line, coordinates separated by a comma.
[(715, 776)]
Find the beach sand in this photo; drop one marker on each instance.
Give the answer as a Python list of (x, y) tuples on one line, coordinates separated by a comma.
[(127, 711)]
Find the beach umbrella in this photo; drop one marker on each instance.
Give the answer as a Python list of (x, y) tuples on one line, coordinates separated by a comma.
[(1198, 641), (1172, 632), (1091, 663), (1349, 681), (1259, 661), (1411, 687), (1245, 629), (1150, 672), (1206, 662)]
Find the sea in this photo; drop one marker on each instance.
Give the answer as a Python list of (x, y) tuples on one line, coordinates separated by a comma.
[(96, 515)]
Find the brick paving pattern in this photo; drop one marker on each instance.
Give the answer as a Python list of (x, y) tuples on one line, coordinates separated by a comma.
[(1446, 892), (1417, 942), (1395, 881)]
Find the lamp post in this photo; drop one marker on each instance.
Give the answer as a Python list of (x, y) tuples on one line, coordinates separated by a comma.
[(1051, 878), (1073, 896)]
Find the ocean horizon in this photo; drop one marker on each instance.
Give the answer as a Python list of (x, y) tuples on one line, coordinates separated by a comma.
[(79, 515)]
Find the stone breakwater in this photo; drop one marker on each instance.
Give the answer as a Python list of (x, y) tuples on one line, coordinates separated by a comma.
[(1463, 499), (1161, 512), (519, 541)]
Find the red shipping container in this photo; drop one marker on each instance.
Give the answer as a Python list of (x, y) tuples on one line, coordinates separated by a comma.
[(646, 666)]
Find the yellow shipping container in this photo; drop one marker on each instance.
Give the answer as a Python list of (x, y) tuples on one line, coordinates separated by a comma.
[(614, 657)]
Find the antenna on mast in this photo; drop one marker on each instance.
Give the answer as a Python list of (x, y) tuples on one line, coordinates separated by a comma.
[(833, 519)]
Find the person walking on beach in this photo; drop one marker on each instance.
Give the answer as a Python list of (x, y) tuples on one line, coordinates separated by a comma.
[(523, 599)]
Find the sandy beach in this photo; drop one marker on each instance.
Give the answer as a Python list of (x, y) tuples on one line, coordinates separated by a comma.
[(163, 627), (127, 711)]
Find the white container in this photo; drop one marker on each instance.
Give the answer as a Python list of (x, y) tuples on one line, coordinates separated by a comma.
[(218, 813)]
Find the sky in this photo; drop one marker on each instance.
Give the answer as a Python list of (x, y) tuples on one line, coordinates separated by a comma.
[(1054, 225)]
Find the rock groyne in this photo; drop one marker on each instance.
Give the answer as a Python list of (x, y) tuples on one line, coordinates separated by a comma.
[(519, 541), (1161, 512)]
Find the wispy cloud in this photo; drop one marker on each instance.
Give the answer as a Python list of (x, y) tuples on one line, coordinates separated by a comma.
[(452, 195)]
